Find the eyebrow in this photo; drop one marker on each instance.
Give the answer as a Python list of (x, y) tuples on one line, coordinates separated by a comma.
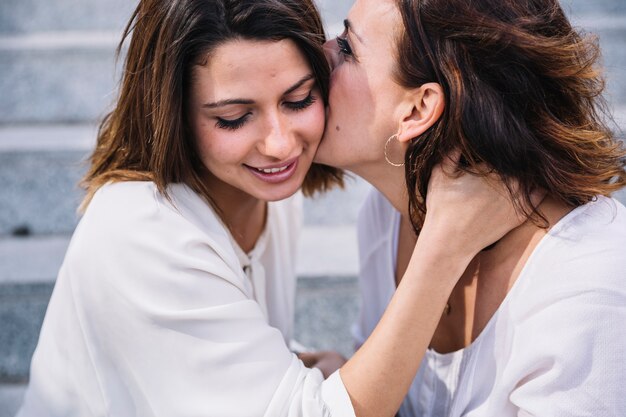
[(229, 102), (350, 28)]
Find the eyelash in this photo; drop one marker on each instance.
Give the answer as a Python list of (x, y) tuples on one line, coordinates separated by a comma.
[(344, 46), (302, 104), (295, 106), (232, 124)]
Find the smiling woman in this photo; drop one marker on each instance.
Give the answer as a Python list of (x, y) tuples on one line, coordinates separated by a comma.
[(257, 116), (176, 295)]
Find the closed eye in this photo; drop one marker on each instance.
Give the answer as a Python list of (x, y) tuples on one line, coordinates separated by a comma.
[(232, 124), (302, 104), (344, 46)]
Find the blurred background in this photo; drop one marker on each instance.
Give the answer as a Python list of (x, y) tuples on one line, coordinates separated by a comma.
[(58, 77)]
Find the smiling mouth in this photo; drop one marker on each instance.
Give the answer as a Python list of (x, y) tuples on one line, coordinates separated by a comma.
[(277, 174), (273, 170)]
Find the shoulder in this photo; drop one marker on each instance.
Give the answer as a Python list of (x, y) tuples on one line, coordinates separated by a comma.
[(603, 219), (140, 205), (133, 219), (134, 239), (559, 333), (118, 207), (120, 196), (576, 275), (586, 248)]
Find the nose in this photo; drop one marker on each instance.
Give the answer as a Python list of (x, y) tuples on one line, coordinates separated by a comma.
[(331, 50), (279, 140)]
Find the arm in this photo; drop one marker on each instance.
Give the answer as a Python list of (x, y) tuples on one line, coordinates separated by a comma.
[(464, 216), (170, 328), (380, 373)]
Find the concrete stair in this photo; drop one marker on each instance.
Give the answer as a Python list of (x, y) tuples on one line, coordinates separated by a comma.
[(58, 77)]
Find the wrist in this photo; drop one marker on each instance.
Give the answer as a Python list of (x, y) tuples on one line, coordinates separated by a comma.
[(439, 258), (442, 243)]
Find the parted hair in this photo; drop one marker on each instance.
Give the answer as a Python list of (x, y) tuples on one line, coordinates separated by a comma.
[(522, 94), (146, 136)]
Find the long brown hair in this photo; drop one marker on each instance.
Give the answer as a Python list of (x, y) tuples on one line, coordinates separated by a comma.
[(523, 94), (146, 136)]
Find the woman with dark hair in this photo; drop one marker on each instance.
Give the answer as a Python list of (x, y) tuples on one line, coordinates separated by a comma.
[(176, 295), (536, 324)]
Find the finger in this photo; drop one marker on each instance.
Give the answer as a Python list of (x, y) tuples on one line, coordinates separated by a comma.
[(309, 359)]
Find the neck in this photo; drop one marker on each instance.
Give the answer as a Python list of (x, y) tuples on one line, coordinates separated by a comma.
[(489, 278), (390, 181), (243, 214)]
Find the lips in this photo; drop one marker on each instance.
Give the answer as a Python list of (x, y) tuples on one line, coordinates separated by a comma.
[(275, 174), (272, 170)]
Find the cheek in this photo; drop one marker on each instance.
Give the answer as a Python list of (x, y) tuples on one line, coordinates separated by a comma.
[(345, 84), (318, 120), (351, 100), (311, 122), (201, 130), (206, 148), (211, 142)]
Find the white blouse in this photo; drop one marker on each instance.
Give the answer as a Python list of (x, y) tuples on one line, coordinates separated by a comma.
[(157, 312), (555, 347)]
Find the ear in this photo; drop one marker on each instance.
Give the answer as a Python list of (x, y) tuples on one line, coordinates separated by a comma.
[(425, 106)]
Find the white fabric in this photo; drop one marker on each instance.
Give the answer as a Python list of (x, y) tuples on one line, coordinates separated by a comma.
[(153, 315), (556, 347)]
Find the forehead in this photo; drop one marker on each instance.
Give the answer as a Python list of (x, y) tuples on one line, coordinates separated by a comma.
[(375, 20), (241, 66)]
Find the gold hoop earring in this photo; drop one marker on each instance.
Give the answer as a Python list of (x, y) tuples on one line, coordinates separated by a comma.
[(395, 164)]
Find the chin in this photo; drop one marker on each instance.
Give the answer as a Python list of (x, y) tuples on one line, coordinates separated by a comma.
[(280, 191), (278, 196)]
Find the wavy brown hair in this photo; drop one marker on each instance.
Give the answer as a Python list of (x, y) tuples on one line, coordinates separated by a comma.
[(146, 137), (522, 94)]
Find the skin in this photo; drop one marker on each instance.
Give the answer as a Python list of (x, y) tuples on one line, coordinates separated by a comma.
[(488, 279), (366, 107), (267, 75), (254, 105), (379, 374), (360, 118)]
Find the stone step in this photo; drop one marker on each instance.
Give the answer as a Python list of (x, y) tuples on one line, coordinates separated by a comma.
[(71, 76), (11, 396), (326, 303), (40, 167), (579, 7), (25, 16), (57, 58), (324, 251), (325, 309), (57, 77), (39, 15)]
